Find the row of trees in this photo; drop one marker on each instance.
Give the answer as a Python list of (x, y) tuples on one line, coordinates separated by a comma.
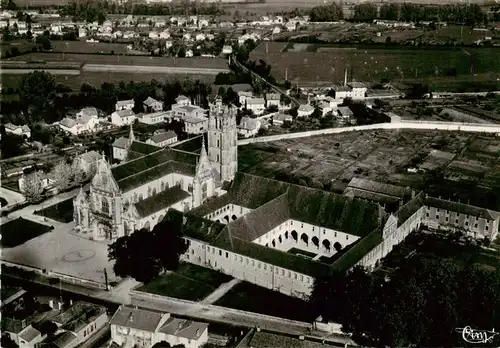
[(422, 304), (470, 14), (42, 99)]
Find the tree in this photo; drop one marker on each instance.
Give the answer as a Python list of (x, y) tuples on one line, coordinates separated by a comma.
[(47, 327), (44, 42), (62, 174), (162, 344), (164, 245), (8, 342), (11, 145), (37, 90), (33, 187)]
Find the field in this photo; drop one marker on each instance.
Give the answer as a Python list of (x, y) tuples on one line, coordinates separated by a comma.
[(96, 79), (189, 282), (62, 211), (18, 231), (88, 47), (373, 64), (377, 155), (253, 298), (199, 63)]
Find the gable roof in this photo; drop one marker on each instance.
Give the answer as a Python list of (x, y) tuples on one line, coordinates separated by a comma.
[(249, 123), (29, 333), (125, 102), (345, 111), (195, 226), (160, 201), (121, 143), (136, 318), (150, 101), (181, 97), (461, 208), (373, 186), (124, 113), (142, 148), (68, 122), (184, 328), (161, 137)]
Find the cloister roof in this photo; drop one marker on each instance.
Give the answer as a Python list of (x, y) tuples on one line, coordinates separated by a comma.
[(161, 201)]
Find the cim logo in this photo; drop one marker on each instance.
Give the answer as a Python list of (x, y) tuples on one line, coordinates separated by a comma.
[(475, 336)]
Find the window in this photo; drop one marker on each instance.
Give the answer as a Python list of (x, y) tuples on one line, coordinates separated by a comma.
[(282, 272), (466, 223), (291, 223), (335, 234), (258, 264), (227, 255), (295, 274), (218, 145), (247, 261), (437, 210), (192, 251), (486, 227), (301, 278), (447, 219), (427, 214), (456, 221), (302, 225), (105, 206), (241, 259), (475, 225), (313, 228), (346, 237), (220, 252), (289, 274), (437, 217), (253, 262), (217, 159)]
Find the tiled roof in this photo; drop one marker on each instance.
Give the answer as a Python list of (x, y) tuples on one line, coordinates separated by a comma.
[(150, 101), (211, 204), (410, 208), (195, 226), (124, 113), (374, 196), (161, 201), (283, 117), (272, 96), (68, 122), (249, 123), (125, 102), (121, 143), (184, 328), (65, 340), (255, 101), (139, 319), (29, 333), (158, 138), (341, 88), (461, 208), (89, 111), (357, 85), (11, 126), (140, 147), (345, 111), (373, 186)]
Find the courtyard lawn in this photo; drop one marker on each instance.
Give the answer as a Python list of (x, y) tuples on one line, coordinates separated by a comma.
[(189, 282), (253, 298), (19, 231), (62, 211), (300, 252)]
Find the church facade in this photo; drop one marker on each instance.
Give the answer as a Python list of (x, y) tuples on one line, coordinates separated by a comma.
[(137, 193)]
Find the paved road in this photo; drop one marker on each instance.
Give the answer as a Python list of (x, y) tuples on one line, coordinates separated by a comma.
[(151, 69), (52, 71)]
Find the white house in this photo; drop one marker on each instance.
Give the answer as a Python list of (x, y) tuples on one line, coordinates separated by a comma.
[(195, 125), (152, 105), (89, 111), (121, 145), (165, 35), (242, 97), (345, 112), (227, 49), (182, 100), (23, 131), (305, 110), (180, 112), (82, 125), (358, 90), (154, 35), (154, 118), (257, 105), (123, 117), (291, 26), (200, 37), (249, 127), (279, 119), (163, 139), (133, 326), (273, 99), (124, 105), (27, 337)]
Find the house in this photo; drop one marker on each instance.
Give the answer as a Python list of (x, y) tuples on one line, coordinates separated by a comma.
[(276, 30), (227, 49), (257, 105), (182, 100), (87, 162), (154, 35), (163, 139), (195, 125), (184, 109), (124, 105), (342, 92), (87, 112), (273, 99), (358, 90), (282, 118), (249, 127), (154, 118), (202, 23), (131, 326), (152, 105), (165, 35), (168, 44), (27, 337), (23, 131), (291, 26), (121, 146), (305, 110), (82, 125), (325, 108), (82, 320), (123, 117), (200, 37), (345, 112), (242, 97), (160, 23)]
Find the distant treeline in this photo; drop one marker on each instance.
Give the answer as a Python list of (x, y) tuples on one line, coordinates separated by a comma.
[(470, 14)]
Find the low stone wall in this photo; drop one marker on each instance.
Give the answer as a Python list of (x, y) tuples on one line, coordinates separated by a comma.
[(139, 295), (407, 124)]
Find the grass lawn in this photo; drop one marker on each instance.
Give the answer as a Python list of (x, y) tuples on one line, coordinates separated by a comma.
[(20, 230), (253, 298), (189, 282), (62, 211), (300, 252)]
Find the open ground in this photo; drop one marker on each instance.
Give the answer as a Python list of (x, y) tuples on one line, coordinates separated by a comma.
[(188, 282), (18, 231), (378, 155), (300, 62)]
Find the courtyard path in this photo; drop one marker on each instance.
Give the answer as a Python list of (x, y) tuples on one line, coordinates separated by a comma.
[(220, 291), (11, 197)]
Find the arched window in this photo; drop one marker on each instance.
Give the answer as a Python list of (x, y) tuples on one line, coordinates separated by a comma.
[(326, 244), (163, 186), (274, 243), (204, 191), (286, 235), (105, 206), (280, 239), (226, 218), (295, 236), (154, 191), (234, 217), (147, 226), (304, 238), (337, 246), (315, 241)]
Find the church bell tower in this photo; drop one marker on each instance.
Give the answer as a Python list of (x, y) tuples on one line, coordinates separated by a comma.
[(223, 140)]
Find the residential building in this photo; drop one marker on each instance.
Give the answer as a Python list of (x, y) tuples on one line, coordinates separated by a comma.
[(182, 111), (342, 92), (345, 112), (177, 181), (155, 117), (227, 49), (182, 100), (305, 110), (124, 105), (87, 162), (121, 146), (249, 127), (242, 97), (88, 112), (257, 105), (23, 131), (83, 124), (144, 328), (358, 90), (27, 337), (152, 105), (195, 125), (123, 117), (273, 99), (46, 180), (281, 118), (163, 139)]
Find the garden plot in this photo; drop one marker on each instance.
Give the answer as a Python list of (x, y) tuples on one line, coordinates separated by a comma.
[(437, 159)]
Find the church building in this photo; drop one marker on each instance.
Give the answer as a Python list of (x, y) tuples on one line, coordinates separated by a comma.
[(137, 193)]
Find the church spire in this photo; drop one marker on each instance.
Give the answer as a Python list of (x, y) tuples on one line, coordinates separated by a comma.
[(131, 137)]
